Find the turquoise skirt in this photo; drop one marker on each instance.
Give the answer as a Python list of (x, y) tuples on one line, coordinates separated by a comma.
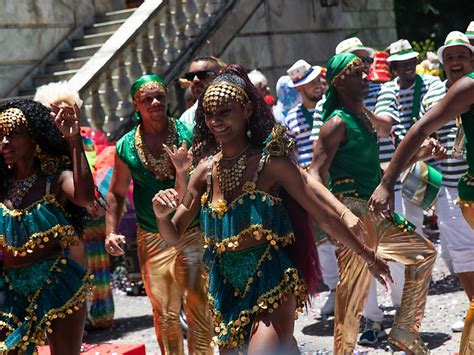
[(246, 283), (35, 296)]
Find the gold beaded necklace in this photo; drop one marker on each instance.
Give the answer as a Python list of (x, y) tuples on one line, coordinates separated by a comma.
[(162, 168), (230, 179)]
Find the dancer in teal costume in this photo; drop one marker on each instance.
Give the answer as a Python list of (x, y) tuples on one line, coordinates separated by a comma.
[(252, 197), (44, 184)]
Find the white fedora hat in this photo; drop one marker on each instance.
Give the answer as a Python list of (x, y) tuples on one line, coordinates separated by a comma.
[(454, 38), (353, 44), (302, 73), (470, 30), (401, 50)]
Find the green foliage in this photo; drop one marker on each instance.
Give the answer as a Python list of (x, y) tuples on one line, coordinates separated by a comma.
[(421, 19), (428, 45)]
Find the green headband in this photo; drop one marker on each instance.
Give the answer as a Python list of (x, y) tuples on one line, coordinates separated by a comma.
[(145, 82), (338, 66)]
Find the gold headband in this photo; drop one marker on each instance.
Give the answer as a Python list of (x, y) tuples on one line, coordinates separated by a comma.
[(348, 68), (11, 118), (222, 92), (148, 85)]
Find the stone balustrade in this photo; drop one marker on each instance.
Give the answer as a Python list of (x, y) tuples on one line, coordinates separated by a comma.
[(159, 37)]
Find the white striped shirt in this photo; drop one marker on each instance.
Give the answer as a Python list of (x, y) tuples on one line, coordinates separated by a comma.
[(451, 168), (300, 131), (398, 104), (188, 115)]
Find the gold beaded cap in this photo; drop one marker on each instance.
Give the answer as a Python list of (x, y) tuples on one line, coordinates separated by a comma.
[(151, 85), (11, 118), (220, 93)]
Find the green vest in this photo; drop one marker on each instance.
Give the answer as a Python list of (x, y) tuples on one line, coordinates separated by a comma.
[(145, 185), (465, 185), (355, 170)]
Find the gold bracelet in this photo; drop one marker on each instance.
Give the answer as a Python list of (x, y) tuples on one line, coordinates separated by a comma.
[(344, 212), (374, 261)]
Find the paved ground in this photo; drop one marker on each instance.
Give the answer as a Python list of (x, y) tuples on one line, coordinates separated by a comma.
[(446, 303)]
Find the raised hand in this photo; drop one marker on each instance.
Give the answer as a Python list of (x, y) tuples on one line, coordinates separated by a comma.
[(181, 158), (165, 202), (67, 119), (431, 149)]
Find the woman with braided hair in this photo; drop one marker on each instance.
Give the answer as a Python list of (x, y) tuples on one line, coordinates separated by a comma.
[(45, 183), (252, 200)]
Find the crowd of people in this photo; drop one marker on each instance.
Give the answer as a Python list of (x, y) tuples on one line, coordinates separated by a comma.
[(246, 205)]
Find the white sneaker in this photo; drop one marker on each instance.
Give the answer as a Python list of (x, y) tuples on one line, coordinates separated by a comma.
[(328, 308), (458, 326)]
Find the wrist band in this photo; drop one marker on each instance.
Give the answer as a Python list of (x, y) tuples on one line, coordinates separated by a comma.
[(344, 212)]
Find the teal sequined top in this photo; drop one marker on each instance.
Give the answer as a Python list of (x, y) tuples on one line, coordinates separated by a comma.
[(37, 294), (244, 283)]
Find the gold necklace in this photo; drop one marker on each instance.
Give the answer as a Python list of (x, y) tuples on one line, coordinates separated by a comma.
[(230, 179), (162, 168), (19, 189)]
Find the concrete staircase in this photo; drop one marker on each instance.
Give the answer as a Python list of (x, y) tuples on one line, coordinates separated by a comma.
[(80, 50)]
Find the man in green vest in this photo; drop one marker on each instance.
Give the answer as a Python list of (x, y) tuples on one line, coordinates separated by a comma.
[(172, 275), (346, 158)]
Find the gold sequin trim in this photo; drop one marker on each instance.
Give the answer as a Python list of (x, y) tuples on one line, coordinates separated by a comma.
[(347, 69), (256, 231), (291, 284)]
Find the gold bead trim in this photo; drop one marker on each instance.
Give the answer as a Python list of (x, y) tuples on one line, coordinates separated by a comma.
[(291, 284), (220, 93), (347, 69), (11, 118), (151, 85), (256, 231)]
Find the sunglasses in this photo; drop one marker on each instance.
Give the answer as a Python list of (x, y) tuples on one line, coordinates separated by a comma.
[(368, 60), (201, 74)]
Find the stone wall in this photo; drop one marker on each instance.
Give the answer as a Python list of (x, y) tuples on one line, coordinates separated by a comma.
[(282, 31), (30, 29)]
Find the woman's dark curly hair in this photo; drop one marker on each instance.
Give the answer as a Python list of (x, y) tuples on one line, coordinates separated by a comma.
[(44, 132), (261, 121)]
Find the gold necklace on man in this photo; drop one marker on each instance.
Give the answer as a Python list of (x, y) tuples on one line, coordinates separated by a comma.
[(162, 167), (230, 179)]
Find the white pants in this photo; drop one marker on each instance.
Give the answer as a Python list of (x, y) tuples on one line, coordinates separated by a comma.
[(455, 233), (410, 211), (328, 262), (372, 310)]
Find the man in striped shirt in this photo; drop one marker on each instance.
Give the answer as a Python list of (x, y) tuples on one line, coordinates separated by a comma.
[(299, 120), (201, 72), (455, 234), (397, 101)]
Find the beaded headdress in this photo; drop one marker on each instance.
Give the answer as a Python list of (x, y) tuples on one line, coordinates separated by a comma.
[(222, 92), (11, 118)]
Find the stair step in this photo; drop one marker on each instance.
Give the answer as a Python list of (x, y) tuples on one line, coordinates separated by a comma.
[(80, 52), (115, 15), (53, 77), (67, 64), (95, 38), (101, 27)]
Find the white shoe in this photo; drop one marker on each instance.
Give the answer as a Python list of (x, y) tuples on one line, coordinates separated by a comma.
[(458, 326), (328, 308)]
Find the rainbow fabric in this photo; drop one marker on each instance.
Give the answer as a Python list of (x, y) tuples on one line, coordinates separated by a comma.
[(101, 310)]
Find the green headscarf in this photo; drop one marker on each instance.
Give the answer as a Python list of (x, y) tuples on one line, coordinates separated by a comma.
[(337, 66), (140, 83)]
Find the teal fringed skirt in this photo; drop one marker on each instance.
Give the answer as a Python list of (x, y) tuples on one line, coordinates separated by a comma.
[(35, 296)]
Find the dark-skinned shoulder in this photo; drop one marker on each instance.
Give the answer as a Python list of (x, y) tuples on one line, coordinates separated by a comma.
[(334, 131)]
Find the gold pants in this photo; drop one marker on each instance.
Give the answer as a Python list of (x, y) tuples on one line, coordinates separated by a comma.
[(173, 277), (414, 251), (467, 338)]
